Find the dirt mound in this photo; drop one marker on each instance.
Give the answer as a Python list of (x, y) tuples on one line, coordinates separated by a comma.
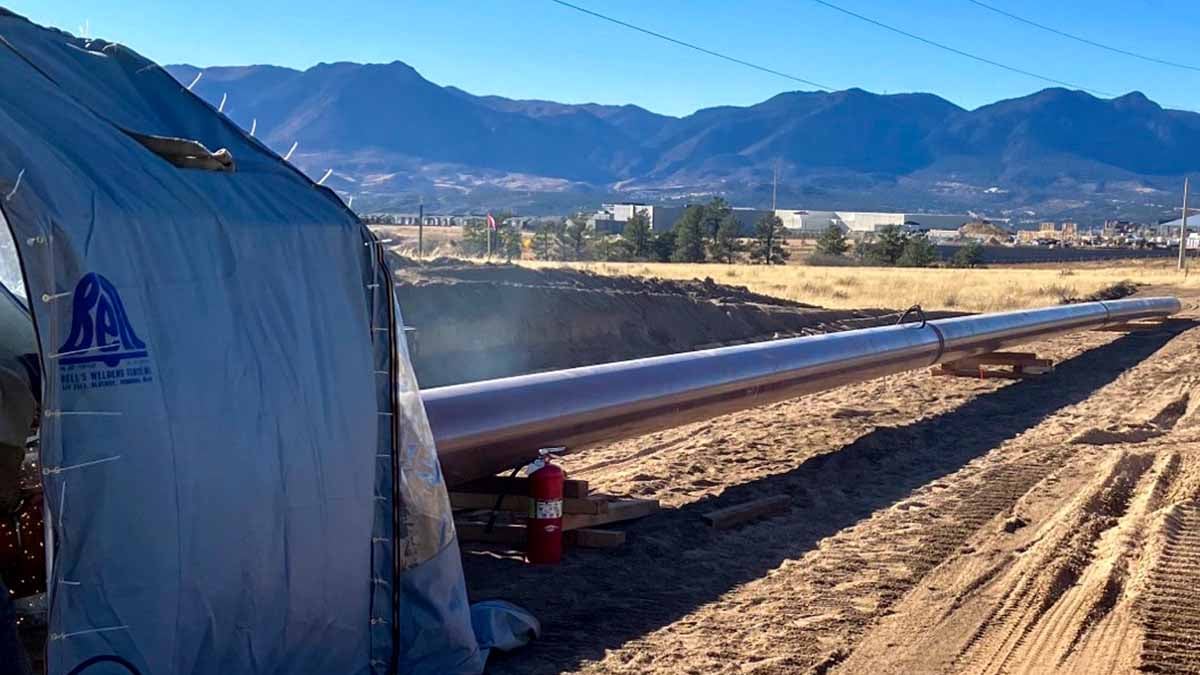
[(983, 228), (475, 322)]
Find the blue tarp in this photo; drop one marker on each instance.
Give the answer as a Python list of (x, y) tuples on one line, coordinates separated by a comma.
[(238, 469)]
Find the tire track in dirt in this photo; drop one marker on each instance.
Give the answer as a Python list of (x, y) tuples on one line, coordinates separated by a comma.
[(889, 480), (1057, 586), (1171, 607)]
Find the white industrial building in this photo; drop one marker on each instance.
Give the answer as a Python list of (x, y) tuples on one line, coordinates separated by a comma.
[(809, 223), (812, 223), (872, 221), (611, 218)]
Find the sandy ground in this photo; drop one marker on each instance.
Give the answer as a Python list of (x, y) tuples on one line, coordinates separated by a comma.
[(936, 525)]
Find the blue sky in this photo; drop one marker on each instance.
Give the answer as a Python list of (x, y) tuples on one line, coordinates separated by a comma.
[(537, 49)]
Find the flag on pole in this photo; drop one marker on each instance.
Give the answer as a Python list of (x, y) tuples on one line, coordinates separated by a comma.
[(491, 222)]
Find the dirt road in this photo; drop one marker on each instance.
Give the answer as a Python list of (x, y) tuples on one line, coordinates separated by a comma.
[(936, 525)]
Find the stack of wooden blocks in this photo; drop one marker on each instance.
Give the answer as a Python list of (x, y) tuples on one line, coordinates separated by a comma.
[(584, 513)]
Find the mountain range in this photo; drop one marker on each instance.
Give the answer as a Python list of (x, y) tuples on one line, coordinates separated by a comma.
[(392, 137)]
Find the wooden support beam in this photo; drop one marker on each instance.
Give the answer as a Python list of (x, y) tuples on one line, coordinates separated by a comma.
[(1016, 366), (515, 535), (1130, 326), (734, 515), (589, 538), (520, 503), (499, 534), (494, 485), (618, 510), (1022, 359)]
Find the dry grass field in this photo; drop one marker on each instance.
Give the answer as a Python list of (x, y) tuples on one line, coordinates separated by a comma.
[(995, 288), (982, 290)]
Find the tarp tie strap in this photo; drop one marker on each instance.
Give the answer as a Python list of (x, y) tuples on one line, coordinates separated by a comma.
[(70, 353), (55, 470), (46, 297), (63, 636), (9, 196), (105, 413)]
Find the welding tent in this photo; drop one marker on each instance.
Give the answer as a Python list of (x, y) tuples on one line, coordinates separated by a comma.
[(238, 469)]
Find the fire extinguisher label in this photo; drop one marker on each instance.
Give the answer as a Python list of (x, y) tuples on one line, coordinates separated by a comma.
[(547, 510)]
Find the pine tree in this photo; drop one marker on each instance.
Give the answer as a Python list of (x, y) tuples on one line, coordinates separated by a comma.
[(889, 244), (970, 255), (474, 238), (663, 246), (833, 242), (545, 243), (689, 236), (510, 242), (769, 238), (725, 246), (575, 237), (918, 252), (715, 213), (637, 235)]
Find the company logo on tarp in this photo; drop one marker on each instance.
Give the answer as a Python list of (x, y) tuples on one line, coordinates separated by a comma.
[(102, 349)]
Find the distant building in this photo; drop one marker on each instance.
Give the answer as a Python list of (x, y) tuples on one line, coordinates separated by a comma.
[(942, 236), (809, 223), (873, 221), (747, 218), (611, 218)]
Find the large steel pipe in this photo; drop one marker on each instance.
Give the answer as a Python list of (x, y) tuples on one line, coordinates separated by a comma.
[(482, 428)]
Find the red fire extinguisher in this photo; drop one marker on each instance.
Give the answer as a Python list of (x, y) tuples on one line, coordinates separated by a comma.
[(544, 533)]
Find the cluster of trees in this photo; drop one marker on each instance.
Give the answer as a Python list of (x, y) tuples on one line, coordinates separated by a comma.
[(893, 245), (566, 239), (705, 232)]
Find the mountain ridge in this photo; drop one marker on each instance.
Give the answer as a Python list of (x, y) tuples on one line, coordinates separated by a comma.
[(392, 137)]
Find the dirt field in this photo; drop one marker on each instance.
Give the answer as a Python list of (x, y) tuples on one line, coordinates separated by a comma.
[(979, 290), (936, 525)]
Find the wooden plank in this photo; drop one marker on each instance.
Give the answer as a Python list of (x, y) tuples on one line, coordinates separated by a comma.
[(575, 489), (980, 373), (520, 503), (515, 535), (734, 515), (618, 510), (590, 538), (1129, 326), (1001, 359), (499, 534)]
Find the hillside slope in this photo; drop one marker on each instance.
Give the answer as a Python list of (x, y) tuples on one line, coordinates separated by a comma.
[(389, 134)]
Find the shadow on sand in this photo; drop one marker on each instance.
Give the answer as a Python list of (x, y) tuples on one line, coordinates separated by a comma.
[(673, 563)]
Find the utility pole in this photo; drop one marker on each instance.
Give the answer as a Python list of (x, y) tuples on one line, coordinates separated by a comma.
[(420, 228), (775, 185), (1183, 228)]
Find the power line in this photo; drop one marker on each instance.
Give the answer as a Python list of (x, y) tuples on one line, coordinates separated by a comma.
[(959, 52), (1084, 40), (689, 45)]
